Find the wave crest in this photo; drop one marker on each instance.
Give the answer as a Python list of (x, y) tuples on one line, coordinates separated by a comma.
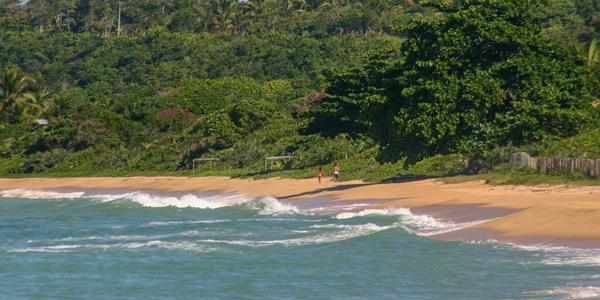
[(38, 194), (269, 205), (572, 293)]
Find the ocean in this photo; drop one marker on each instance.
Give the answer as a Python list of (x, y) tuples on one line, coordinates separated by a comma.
[(112, 244)]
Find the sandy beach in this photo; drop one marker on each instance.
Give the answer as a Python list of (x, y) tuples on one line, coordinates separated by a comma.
[(553, 215)]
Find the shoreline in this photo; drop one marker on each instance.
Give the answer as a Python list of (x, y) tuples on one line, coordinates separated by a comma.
[(524, 215)]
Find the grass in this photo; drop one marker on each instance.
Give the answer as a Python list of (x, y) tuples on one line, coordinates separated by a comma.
[(443, 168)]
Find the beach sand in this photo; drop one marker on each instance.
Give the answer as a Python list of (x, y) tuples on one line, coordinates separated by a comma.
[(536, 215)]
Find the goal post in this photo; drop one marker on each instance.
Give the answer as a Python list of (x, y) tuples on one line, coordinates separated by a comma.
[(272, 158), (199, 160)]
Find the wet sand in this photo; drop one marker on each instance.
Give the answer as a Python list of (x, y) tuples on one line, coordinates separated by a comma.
[(539, 215)]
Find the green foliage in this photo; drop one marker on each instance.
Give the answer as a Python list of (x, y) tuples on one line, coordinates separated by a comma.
[(569, 20), (56, 135), (10, 165), (250, 116), (91, 133), (246, 153), (15, 95), (82, 157), (41, 161), (218, 127), (480, 76), (326, 151), (584, 145), (245, 80), (498, 156), (96, 68), (439, 166)]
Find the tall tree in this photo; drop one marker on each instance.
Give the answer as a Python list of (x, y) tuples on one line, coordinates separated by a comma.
[(14, 86), (482, 75)]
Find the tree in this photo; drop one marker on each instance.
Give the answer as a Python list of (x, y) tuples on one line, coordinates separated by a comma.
[(342, 108), (57, 106), (14, 87), (224, 13), (590, 51), (250, 115), (481, 76)]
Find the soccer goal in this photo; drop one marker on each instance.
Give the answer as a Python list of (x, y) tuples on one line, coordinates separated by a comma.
[(272, 158), (199, 160)]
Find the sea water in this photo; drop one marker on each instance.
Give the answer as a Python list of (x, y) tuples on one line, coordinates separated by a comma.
[(139, 245)]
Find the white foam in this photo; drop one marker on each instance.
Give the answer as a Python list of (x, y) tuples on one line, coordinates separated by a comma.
[(344, 232), (187, 246), (185, 201), (53, 248), (335, 209), (386, 212), (572, 293), (167, 223), (559, 256), (142, 198), (38, 194), (422, 225), (269, 205)]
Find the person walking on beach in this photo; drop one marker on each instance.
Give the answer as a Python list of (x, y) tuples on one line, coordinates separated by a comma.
[(320, 174), (336, 173)]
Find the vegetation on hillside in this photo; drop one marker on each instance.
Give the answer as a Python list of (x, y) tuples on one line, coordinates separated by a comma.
[(408, 87)]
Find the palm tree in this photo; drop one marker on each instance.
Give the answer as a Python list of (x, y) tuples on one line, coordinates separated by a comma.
[(593, 52), (14, 87), (57, 106), (287, 7), (38, 100), (384, 8), (310, 5), (590, 51), (223, 15), (258, 6), (204, 18), (21, 113)]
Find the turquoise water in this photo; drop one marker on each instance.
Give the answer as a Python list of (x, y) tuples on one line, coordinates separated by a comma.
[(202, 246)]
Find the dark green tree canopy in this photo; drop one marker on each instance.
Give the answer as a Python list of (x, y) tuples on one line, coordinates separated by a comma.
[(482, 75)]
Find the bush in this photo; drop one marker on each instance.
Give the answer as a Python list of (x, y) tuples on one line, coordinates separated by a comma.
[(118, 159), (82, 157), (42, 161), (325, 151), (439, 166), (10, 166), (246, 153)]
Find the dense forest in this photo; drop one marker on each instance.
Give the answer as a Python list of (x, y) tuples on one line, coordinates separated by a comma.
[(145, 87)]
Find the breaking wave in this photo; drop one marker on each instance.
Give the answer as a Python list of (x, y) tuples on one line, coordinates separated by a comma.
[(145, 199), (571, 292), (422, 225), (38, 194)]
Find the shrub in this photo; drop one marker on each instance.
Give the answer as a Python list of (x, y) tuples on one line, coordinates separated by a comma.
[(42, 161), (10, 166), (247, 152), (91, 133), (82, 157), (439, 165)]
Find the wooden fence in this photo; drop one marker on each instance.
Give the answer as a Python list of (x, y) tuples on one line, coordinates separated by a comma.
[(590, 167)]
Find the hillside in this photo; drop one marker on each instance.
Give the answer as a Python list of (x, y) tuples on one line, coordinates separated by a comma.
[(356, 81)]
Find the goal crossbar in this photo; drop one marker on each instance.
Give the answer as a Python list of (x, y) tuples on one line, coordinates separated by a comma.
[(201, 160), (272, 158)]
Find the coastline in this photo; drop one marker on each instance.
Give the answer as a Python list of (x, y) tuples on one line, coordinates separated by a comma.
[(525, 215)]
